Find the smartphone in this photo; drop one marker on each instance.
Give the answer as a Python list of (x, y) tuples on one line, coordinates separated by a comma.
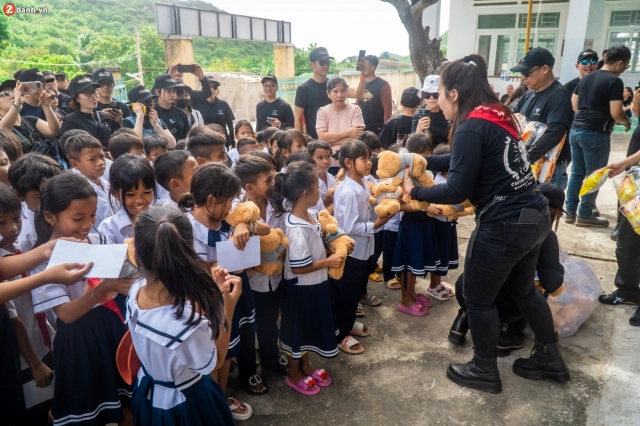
[(270, 118), (144, 108), (361, 55), (636, 89), (114, 104), (424, 112), (31, 87), (187, 68)]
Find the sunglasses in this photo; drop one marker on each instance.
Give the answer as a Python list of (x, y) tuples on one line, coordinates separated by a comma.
[(89, 93), (324, 62), (107, 84), (529, 72), (589, 61), (269, 86), (6, 94), (430, 95), (49, 80)]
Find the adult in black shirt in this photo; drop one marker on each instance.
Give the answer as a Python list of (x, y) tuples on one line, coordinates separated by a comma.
[(488, 166), (312, 94), (64, 100), (435, 122), (195, 96), (116, 110), (504, 98), (176, 120), (396, 129), (215, 110), (62, 83), (597, 101), (376, 103), (273, 111)]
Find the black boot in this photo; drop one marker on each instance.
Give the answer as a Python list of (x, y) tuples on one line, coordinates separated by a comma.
[(479, 373), (545, 363), (459, 328), (511, 339)]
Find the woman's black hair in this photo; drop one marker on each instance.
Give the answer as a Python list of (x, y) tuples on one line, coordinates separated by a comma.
[(630, 90), (516, 94), (468, 76), (418, 143), (334, 82), (299, 177), (352, 150), (163, 240), (212, 179), (260, 136), (125, 175), (315, 145), (9, 201), (265, 156), (28, 172), (284, 140), (55, 196)]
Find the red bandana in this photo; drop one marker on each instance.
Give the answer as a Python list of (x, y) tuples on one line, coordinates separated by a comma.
[(495, 114)]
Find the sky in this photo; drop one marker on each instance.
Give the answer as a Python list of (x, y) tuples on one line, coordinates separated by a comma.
[(342, 26)]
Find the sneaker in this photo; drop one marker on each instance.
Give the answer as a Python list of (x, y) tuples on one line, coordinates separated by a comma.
[(614, 299), (570, 218), (375, 277), (635, 318), (592, 221)]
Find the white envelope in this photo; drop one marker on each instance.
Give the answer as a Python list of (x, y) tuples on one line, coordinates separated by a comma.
[(107, 258), (232, 259)]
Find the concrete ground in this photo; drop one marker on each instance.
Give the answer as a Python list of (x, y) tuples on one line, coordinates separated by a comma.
[(400, 379)]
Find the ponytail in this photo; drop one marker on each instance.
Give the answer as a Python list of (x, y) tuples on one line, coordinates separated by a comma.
[(276, 195), (299, 177), (186, 202)]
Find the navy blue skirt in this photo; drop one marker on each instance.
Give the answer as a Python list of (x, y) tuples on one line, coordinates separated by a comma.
[(307, 319), (205, 405), (417, 246), (244, 317), (89, 389), (447, 246)]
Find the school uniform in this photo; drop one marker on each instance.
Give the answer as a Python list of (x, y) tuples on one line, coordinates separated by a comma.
[(104, 206), (12, 405), (27, 238), (88, 387), (378, 235), (332, 182), (107, 169), (307, 319), (161, 193), (173, 386), (169, 203), (447, 238), (389, 240), (234, 156), (417, 245), (244, 315), (117, 227), (354, 215)]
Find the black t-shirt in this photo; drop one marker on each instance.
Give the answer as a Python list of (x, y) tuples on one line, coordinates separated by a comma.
[(551, 105), (279, 109), (96, 124), (371, 104), (400, 125), (218, 112), (63, 103), (311, 96), (565, 154), (65, 91), (32, 111), (504, 98), (595, 91), (571, 85), (176, 121), (439, 127), (481, 166), (126, 112)]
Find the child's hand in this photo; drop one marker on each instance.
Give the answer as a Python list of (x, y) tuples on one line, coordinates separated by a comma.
[(137, 109), (42, 375), (219, 276), (351, 246), (47, 248), (434, 210), (67, 273), (231, 291), (241, 235), (153, 116), (283, 255), (335, 260), (119, 285)]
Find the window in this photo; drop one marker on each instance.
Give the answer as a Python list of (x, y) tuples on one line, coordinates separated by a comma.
[(626, 32), (488, 22), (547, 20), (502, 54), (625, 18)]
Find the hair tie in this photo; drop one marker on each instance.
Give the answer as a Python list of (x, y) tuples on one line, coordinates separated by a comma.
[(468, 60), (161, 222)]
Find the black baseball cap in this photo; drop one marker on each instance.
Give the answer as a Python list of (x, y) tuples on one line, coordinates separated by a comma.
[(80, 83), (102, 74), (536, 57), (587, 54), (554, 194), (212, 80), (164, 81), (182, 86), (32, 74), (318, 54), (61, 74), (140, 94), (269, 77), (7, 84), (49, 77), (410, 98)]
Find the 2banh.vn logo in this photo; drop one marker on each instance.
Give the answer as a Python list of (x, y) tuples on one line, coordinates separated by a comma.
[(11, 9)]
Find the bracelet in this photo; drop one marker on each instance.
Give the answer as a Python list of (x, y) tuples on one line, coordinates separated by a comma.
[(92, 295), (253, 227), (17, 107), (409, 192)]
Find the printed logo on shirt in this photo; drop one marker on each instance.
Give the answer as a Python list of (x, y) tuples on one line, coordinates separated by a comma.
[(171, 120), (275, 112), (367, 96), (516, 163), (220, 112)]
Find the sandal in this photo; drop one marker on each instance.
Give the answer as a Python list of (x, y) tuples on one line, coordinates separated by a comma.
[(248, 383), (371, 300), (378, 269), (278, 367), (321, 377), (415, 309), (236, 405), (375, 277), (358, 330), (424, 300), (441, 292), (349, 342), (306, 386), (393, 284), (359, 311)]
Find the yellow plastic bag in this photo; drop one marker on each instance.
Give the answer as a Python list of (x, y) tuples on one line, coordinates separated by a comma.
[(631, 211), (594, 181), (626, 189)]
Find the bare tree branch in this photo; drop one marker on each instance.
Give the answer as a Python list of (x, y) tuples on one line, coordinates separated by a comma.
[(419, 7)]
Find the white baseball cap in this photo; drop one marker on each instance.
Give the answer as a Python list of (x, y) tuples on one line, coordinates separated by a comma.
[(430, 85)]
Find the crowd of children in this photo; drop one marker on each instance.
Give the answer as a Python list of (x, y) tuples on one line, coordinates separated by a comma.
[(188, 318)]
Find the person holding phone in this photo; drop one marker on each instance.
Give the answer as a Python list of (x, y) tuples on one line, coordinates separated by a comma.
[(116, 110), (217, 111), (51, 84), (146, 121), (429, 116), (376, 103), (177, 71), (273, 111), (164, 89)]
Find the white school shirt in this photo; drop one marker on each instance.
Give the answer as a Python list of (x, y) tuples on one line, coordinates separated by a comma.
[(201, 239), (305, 247), (27, 238), (260, 282), (169, 203), (439, 180), (117, 227), (107, 169), (354, 215), (169, 350), (393, 224), (234, 156), (104, 207), (374, 215), (161, 194), (324, 187)]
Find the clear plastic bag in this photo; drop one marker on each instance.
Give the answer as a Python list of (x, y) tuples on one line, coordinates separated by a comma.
[(631, 211), (626, 185), (594, 181)]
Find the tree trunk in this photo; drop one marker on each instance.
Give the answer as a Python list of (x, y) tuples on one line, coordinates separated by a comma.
[(425, 52)]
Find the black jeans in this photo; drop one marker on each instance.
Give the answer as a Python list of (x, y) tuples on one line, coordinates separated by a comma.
[(346, 294), (389, 240), (628, 256), (267, 311), (504, 257)]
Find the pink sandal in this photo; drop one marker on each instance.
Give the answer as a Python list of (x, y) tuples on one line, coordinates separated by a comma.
[(424, 300), (415, 309), (305, 386), (321, 377)]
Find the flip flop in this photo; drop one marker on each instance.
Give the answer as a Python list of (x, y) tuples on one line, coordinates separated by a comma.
[(371, 300), (304, 386), (359, 311), (393, 284), (441, 292), (236, 405), (375, 277), (349, 342), (321, 377), (415, 309), (378, 269), (424, 300), (358, 330)]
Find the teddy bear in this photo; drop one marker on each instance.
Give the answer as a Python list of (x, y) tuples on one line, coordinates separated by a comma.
[(456, 211), (337, 241), (391, 166), (244, 212), (270, 248), (386, 198)]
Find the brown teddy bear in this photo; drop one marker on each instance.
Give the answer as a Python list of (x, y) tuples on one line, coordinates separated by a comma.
[(270, 248), (391, 166), (244, 212), (454, 212), (386, 197), (337, 241)]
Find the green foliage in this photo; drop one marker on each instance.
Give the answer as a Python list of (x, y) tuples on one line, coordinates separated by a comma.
[(444, 42), (4, 32)]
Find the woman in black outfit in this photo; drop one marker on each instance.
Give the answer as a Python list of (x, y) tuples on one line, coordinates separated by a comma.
[(436, 123), (488, 165)]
